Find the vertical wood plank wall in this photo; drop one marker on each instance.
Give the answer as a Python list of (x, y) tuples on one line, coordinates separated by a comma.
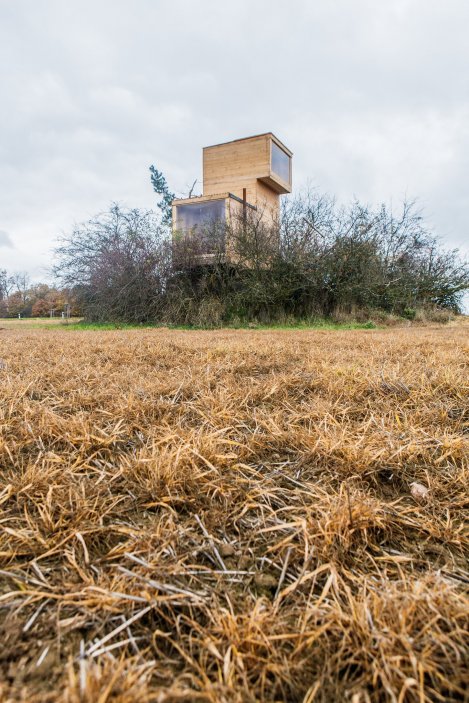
[(240, 164)]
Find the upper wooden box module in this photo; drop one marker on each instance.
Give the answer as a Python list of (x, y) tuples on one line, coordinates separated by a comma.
[(244, 173), (232, 166)]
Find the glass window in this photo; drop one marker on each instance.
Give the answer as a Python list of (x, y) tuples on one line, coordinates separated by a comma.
[(199, 214), (280, 163)]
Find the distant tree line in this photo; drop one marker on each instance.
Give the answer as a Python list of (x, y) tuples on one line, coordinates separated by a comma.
[(318, 260), (20, 297)]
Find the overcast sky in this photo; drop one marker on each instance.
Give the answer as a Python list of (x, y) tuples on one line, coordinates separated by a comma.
[(372, 97)]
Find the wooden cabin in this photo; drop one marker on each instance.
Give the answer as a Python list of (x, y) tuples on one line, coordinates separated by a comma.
[(239, 176)]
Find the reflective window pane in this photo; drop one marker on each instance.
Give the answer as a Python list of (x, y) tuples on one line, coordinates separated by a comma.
[(280, 163), (199, 214)]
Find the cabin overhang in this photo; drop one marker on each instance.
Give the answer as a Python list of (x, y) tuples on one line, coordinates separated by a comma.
[(238, 177), (205, 211), (243, 162), (279, 177)]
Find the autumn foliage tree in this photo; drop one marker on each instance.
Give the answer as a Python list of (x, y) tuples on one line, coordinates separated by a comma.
[(18, 296)]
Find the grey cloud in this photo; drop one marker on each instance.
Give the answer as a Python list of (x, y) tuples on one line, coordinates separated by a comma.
[(5, 239), (372, 98)]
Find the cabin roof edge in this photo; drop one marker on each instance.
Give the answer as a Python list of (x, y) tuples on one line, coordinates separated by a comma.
[(253, 136)]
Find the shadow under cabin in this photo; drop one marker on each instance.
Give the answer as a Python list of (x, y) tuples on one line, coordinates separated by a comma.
[(241, 176)]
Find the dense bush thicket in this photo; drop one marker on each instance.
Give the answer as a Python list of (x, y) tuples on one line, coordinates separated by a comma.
[(318, 260), (118, 265)]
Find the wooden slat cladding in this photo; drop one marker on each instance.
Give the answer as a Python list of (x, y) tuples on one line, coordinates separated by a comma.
[(243, 168), (236, 165), (245, 165)]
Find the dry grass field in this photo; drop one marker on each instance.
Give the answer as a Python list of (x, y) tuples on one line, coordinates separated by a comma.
[(233, 516), (28, 323)]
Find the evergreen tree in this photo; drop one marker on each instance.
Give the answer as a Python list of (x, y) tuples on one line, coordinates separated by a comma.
[(160, 187)]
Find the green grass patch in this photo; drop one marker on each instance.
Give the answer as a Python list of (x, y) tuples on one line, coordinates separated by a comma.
[(303, 325), (48, 324)]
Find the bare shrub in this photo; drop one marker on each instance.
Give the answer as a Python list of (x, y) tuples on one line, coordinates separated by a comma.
[(434, 314), (118, 265), (317, 260), (210, 313)]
